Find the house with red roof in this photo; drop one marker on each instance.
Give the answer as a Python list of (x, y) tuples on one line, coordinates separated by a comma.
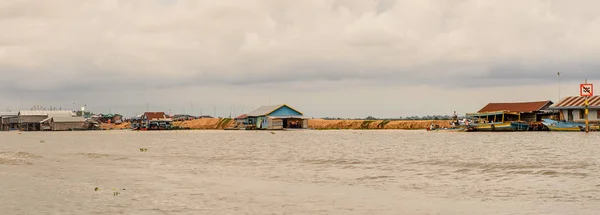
[(527, 111)]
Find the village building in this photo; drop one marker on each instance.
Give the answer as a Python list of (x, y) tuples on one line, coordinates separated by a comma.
[(29, 120), (153, 121), (525, 111), (62, 121), (42, 120), (276, 117), (9, 121), (241, 119), (572, 109)]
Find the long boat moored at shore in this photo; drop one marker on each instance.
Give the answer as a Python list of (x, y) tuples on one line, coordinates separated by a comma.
[(498, 121)]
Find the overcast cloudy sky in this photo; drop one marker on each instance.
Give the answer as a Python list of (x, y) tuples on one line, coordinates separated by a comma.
[(341, 58)]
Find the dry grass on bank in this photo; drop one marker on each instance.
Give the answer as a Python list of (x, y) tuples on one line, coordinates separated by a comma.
[(112, 126), (374, 124), (205, 123), (218, 124)]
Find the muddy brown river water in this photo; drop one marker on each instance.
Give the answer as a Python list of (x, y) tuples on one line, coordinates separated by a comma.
[(299, 172)]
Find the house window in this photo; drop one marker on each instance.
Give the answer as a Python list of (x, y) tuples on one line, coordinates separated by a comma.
[(581, 114)]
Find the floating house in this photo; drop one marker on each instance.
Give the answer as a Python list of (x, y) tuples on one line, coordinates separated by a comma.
[(9, 121), (153, 121), (572, 109), (276, 117), (62, 121), (42, 120), (522, 111)]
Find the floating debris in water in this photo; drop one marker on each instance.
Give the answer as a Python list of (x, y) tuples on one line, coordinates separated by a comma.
[(96, 189), (143, 149), (42, 141), (116, 193), (272, 132)]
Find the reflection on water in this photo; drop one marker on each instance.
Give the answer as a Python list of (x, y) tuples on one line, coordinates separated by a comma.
[(299, 172)]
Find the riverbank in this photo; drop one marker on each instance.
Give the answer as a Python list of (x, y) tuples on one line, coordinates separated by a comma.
[(318, 124), (375, 124)]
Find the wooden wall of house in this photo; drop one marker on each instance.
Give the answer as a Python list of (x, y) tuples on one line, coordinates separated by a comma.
[(66, 126), (275, 124)]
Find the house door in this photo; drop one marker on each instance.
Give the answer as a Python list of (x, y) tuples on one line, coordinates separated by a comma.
[(570, 115)]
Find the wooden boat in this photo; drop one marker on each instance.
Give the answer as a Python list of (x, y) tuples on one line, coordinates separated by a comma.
[(498, 121), (554, 125), (502, 126)]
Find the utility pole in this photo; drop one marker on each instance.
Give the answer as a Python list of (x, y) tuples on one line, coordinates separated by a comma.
[(558, 80), (215, 110)]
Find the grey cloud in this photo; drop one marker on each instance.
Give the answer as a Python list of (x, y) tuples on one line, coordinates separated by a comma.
[(116, 46)]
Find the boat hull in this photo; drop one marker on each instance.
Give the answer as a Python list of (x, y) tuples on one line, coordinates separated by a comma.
[(507, 126), (554, 125), (449, 130), (555, 128)]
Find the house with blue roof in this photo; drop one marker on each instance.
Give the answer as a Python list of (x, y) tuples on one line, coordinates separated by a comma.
[(276, 117)]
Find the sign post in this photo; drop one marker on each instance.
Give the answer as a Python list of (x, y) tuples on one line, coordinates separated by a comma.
[(586, 90)]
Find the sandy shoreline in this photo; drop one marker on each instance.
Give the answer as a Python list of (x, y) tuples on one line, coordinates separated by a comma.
[(319, 124)]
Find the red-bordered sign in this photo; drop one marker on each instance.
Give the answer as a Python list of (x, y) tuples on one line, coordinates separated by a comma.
[(586, 89)]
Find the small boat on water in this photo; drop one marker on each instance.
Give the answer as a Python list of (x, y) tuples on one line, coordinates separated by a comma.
[(554, 125)]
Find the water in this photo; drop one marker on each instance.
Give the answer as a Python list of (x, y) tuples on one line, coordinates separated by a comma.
[(299, 172)]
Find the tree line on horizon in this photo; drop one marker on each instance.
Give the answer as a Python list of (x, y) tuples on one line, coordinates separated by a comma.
[(427, 117)]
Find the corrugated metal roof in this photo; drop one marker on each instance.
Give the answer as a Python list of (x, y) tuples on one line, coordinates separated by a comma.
[(68, 119), (264, 110), (61, 114), (289, 117), (577, 102), (43, 112), (522, 107), (9, 114), (243, 116)]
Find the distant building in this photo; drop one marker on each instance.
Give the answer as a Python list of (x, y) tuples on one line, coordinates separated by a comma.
[(241, 119), (62, 121), (154, 121), (276, 117), (9, 121), (56, 120), (526, 111), (572, 108)]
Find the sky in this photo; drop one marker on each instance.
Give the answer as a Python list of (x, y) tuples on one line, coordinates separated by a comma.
[(326, 58)]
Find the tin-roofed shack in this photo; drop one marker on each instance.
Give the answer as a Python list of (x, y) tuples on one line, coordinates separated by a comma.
[(9, 121), (62, 121), (32, 120)]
